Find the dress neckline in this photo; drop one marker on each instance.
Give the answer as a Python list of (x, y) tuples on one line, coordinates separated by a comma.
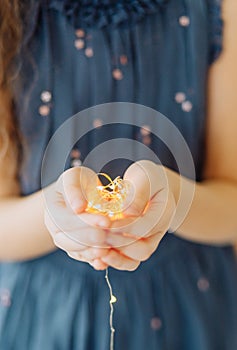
[(105, 13)]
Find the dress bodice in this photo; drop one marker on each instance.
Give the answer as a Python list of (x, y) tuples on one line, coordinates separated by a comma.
[(78, 54)]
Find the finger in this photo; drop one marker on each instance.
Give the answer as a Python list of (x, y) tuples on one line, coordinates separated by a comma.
[(97, 264), (74, 183), (79, 240), (65, 220), (119, 261), (91, 254), (77, 256), (146, 179), (141, 249), (156, 219), (64, 242), (120, 239), (138, 192)]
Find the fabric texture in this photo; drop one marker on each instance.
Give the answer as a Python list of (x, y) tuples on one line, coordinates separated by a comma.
[(78, 54), (106, 13)]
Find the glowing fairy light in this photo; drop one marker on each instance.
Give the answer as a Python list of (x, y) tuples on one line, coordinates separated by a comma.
[(113, 299), (108, 200)]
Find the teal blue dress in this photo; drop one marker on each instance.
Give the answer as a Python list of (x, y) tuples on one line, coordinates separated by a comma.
[(81, 53)]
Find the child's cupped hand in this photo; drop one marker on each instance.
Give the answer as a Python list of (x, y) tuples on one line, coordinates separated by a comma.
[(93, 238)]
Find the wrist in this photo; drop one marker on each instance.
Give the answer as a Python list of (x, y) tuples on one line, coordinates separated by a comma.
[(173, 183)]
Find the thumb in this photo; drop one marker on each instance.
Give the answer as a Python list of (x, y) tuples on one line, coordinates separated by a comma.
[(73, 184), (146, 180)]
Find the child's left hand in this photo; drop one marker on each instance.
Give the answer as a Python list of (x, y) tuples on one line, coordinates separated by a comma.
[(147, 218)]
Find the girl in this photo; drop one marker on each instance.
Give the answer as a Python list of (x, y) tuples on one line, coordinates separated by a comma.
[(59, 57)]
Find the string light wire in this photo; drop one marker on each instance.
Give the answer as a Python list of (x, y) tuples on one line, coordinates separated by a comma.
[(111, 302), (108, 200)]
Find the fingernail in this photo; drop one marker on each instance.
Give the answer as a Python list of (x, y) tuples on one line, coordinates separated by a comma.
[(76, 205), (98, 265), (103, 223)]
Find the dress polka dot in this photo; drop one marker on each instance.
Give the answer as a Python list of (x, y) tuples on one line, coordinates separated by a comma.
[(80, 33), (145, 130), (123, 60), (5, 297), (156, 323), (180, 97), (44, 110), (187, 106), (89, 52), (184, 21), (76, 162), (146, 140), (75, 153), (203, 284), (117, 74), (79, 44), (46, 96), (97, 123)]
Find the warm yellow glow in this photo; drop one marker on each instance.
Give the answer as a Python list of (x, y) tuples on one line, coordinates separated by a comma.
[(108, 199), (113, 299)]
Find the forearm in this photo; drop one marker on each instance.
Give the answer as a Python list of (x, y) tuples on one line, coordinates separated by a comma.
[(212, 218), (23, 234)]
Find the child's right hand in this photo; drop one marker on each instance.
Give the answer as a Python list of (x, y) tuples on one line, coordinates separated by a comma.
[(82, 235)]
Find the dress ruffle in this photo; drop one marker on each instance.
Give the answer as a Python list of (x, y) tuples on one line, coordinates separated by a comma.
[(104, 13), (215, 29)]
